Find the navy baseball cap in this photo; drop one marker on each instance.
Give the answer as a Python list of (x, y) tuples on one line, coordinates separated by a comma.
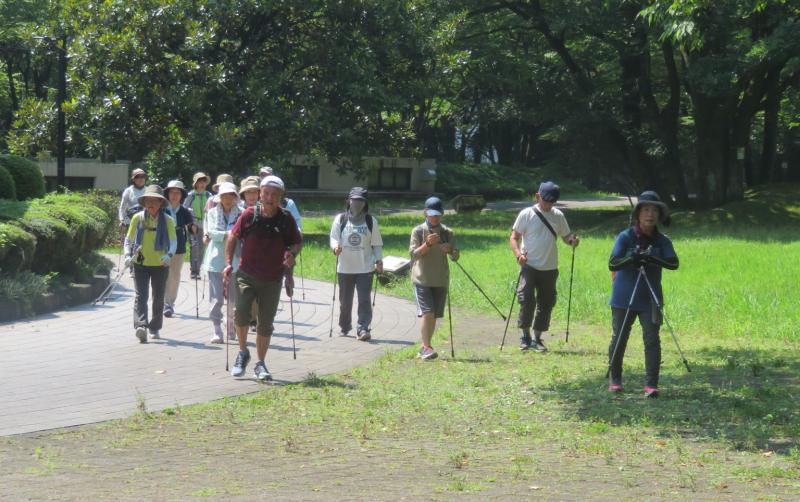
[(549, 191), (434, 206)]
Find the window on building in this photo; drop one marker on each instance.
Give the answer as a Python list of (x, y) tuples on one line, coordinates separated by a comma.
[(306, 177), (390, 178), (74, 183)]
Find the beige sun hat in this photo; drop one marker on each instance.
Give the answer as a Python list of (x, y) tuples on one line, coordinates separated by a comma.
[(197, 177), (222, 178), (249, 183), (138, 172), (154, 192)]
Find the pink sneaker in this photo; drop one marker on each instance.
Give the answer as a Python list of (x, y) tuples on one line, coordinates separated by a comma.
[(651, 392), (615, 388)]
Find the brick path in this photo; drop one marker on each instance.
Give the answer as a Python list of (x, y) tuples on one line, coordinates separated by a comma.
[(85, 365)]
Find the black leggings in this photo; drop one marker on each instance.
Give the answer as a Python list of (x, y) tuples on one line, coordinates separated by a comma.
[(651, 325)]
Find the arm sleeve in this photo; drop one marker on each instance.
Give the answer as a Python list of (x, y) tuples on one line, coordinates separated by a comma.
[(173, 237), (563, 229), (376, 240), (131, 235), (416, 240), (336, 234), (239, 226), (187, 202), (666, 258), (211, 221), (621, 255), (519, 223), (292, 208), (123, 205)]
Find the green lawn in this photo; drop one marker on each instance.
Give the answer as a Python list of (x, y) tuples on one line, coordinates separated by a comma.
[(513, 425)]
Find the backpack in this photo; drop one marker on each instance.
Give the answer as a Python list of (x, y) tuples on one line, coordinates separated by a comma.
[(281, 225), (343, 222)]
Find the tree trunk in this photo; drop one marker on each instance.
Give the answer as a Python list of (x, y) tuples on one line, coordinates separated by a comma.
[(772, 105), (713, 146)]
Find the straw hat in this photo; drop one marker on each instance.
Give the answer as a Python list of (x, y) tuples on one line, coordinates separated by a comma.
[(222, 178), (197, 177), (249, 183), (154, 192)]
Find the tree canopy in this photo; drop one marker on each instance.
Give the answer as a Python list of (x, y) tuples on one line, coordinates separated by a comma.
[(689, 97)]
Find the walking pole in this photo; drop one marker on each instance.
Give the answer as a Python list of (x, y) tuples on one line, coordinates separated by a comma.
[(508, 319), (375, 293), (196, 301), (227, 291), (302, 280), (569, 302), (294, 347), (333, 302), (661, 309), (450, 321), (479, 289), (624, 321)]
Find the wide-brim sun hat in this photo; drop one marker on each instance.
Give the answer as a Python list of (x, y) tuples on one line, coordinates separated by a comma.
[(153, 192), (226, 187), (138, 172), (249, 183), (175, 185), (652, 198), (222, 178), (199, 176)]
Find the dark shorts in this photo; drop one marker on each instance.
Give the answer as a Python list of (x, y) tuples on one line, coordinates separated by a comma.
[(430, 300), (266, 293)]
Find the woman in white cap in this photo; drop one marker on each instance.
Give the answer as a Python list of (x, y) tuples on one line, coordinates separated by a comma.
[(129, 202), (219, 221), (149, 246), (184, 226)]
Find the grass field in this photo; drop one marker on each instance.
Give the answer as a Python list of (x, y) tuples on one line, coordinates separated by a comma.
[(508, 425)]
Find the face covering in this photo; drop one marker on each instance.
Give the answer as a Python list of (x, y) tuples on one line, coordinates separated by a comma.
[(357, 206)]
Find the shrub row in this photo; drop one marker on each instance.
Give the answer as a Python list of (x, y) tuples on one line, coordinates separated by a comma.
[(63, 227), (20, 178)]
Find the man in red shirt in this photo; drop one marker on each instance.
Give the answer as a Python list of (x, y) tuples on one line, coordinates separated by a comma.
[(270, 242)]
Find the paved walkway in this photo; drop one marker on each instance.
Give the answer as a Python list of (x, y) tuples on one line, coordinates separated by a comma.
[(84, 365)]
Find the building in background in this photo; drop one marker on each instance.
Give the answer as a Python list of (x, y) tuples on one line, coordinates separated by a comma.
[(83, 174)]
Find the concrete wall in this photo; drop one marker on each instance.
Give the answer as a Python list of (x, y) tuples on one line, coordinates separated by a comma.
[(107, 176), (423, 172)]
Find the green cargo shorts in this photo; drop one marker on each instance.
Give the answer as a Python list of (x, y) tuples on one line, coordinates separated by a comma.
[(267, 293)]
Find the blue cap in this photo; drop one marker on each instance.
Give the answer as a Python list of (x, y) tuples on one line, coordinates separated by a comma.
[(434, 206), (549, 191)]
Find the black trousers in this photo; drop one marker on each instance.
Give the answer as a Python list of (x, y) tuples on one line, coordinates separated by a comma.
[(651, 325), (146, 278), (537, 297)]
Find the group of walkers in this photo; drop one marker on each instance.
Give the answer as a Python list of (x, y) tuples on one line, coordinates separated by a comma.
[(246, 240)]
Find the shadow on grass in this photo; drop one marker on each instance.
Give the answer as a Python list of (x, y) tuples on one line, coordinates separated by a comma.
[(749, 400), (317, 382)]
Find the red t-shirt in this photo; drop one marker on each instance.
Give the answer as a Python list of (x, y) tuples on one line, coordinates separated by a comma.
[(264, 244)]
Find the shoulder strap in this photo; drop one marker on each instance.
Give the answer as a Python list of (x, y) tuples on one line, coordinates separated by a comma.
[(546, 223), (368, 217)]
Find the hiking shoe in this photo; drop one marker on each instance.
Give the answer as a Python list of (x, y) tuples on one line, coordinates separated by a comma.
[(168, 311), (242, 358), (538, 346), (154, 334), (615, 388), (651, 392), (261, 372), (427, 354), (344, 332), (218, 336), (253, 326), (141, 334), (364, 335), (525, 342)]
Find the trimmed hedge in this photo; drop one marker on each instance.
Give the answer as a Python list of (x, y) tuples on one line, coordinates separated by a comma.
[(8, 189), (28, 177), (16, 248), (66, 228)]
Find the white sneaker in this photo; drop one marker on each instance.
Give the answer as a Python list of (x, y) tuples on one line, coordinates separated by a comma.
[(218, 336)]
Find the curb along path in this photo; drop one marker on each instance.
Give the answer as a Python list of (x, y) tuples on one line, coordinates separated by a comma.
[(84, 364)]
